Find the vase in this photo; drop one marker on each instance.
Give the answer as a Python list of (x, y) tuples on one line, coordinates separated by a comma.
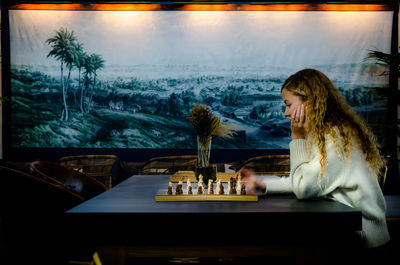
[(203, 151), (203, 163)]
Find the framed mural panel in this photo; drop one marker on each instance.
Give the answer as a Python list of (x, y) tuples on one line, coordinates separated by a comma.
[(111, 79)]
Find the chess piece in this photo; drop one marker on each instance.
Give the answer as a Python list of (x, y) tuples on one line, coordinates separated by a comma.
[(199, 189), (210, 187), (243, 189), (200, 185), (179, 190), (232, 189), (189, 187), (218, 189), (200, 182), (169, 188), (221, 189), (200, 179), (239, 185)]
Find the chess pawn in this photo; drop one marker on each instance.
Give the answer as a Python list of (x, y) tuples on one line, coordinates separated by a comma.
[(170, 188), (243, 189), (189, 190), (200, 189)]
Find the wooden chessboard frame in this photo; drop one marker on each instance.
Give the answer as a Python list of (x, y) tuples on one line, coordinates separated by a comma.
[(162, 196)]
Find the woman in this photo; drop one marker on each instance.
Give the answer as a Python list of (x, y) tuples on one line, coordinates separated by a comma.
[(332, 153)]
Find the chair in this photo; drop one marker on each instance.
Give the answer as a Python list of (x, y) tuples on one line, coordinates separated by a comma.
[(25, 192), (266, 165), (33, 228), (77, 182), (168, 164), (96, 166)]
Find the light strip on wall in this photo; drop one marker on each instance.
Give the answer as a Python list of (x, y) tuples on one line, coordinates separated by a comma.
[(207, 7)]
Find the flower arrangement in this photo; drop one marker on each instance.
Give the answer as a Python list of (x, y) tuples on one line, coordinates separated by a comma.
[(206, 126)]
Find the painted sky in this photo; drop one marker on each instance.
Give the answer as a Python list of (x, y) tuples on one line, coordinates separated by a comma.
[(256, 38)]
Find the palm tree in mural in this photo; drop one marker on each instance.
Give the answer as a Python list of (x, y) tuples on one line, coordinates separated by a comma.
[(62, 48), (70, 59), (92, 63), (96, 63), (87, 65), (79, 63)]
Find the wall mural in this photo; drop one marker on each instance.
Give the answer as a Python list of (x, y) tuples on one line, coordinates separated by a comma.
[(127, 79)]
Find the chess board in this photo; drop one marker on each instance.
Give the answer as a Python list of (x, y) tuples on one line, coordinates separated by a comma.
[(162, 196), (184, 176)]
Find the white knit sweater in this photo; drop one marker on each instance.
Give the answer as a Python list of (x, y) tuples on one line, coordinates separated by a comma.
[(349, 181)]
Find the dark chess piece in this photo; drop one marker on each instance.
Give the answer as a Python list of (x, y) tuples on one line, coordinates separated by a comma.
[(233, 186), (179, 190), (243, 190), (170, 190), (221, 189), (190, 190), (200, 190)]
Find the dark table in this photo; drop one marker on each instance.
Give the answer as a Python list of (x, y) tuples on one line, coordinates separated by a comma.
[(126, 223)]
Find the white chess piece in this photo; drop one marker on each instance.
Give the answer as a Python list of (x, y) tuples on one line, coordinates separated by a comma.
[(218, 189), (209, 186), (188, 185), (200, 183), (229, 187), (239, 185)]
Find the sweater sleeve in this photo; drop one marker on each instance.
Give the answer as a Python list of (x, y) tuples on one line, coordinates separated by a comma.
[(305, 169), (277, 185)]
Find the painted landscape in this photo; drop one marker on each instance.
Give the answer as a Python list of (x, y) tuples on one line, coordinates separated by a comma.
[(78, 95)]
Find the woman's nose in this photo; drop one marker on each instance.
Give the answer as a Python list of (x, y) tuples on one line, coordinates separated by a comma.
[(286, 114)]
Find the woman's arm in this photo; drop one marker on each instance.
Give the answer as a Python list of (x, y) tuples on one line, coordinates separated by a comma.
[(305, 170)]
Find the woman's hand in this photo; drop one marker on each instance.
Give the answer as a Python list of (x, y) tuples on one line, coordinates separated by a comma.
[(298, 122), (250, 180)]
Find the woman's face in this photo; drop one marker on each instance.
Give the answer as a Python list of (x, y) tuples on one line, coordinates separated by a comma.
[(291, 101)]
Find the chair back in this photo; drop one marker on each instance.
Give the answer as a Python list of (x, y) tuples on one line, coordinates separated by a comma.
[(266, 165), (168, 164), (78, 182), (21, 192), (97, 166)]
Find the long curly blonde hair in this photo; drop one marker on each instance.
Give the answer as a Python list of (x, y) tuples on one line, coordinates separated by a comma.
[(329, 114)]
